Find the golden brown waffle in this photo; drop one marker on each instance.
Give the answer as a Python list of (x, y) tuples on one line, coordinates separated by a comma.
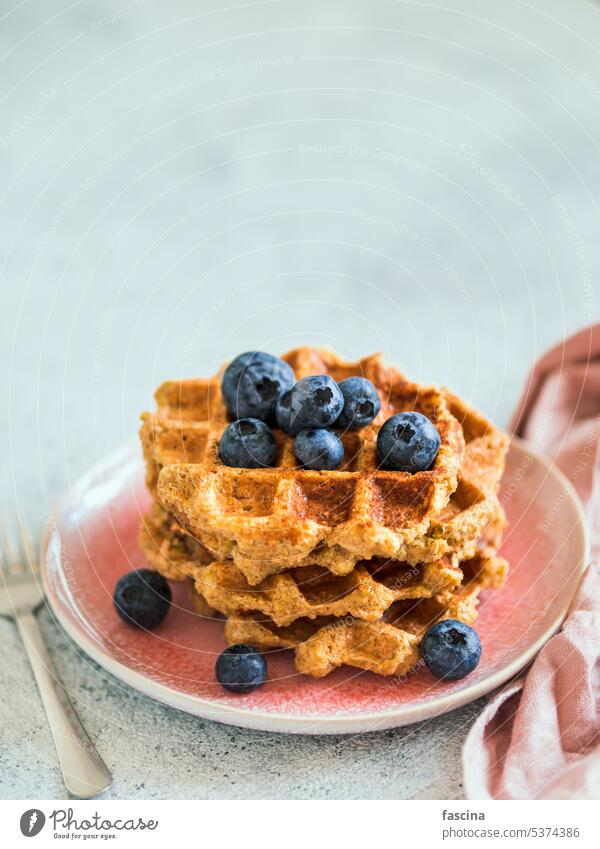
[(309, 592), (342, 630), (168, 548), (199, 603), (312, 592), (270, 519), (282, 514), (389, 646), (174, 553)]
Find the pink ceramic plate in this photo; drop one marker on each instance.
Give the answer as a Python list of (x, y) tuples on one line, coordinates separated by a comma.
[(93, 540)]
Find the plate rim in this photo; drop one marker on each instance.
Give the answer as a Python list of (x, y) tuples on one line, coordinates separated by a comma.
[(277, 721)]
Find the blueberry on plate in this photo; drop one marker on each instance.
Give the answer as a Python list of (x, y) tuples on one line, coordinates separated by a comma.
[(142, 598), (361, 403), (241, 669), (315, 402), (253, 383), (451, 649), (248, 444), (408, 442), (319, 449)]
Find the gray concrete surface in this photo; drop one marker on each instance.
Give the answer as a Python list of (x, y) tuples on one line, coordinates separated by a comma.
[(181, 181)]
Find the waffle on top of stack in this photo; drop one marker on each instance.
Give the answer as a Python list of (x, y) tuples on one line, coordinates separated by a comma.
[(345, 566)]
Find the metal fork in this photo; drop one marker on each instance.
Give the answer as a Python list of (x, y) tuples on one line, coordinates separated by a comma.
[(84, 772)]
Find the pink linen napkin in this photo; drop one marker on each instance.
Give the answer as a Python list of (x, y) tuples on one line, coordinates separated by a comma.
[(539, 737)]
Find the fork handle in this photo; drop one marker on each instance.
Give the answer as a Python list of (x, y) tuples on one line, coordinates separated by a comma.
[(84, 772)]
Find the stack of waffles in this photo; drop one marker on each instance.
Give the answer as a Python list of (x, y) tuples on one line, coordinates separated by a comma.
[(342, 567)]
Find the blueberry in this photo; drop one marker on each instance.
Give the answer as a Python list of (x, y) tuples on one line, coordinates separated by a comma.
[(253, 383), (319, 449), (315, 402), (361, 403), (248, 444), (408, 442), (142, 598), (241, 669), (282, 413), (451, 649)]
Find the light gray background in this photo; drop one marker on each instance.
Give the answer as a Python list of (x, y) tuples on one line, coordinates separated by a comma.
[(182, 181)]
